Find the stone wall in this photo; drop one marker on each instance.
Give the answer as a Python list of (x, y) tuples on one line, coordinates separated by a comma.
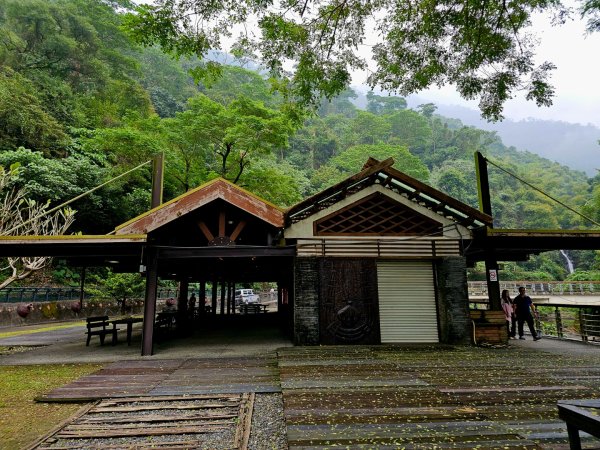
[(306, 301), (453, 300), (42, 312)]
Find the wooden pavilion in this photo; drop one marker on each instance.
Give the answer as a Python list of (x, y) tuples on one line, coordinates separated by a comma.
[(377, 258)]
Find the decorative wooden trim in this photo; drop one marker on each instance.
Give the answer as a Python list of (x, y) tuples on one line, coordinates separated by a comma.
[(376, 215), (379, 248)]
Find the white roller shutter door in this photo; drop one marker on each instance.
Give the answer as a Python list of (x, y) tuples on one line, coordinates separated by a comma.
[(407, 311)]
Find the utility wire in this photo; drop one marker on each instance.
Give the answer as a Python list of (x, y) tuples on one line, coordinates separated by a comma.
[(62, 205), (541, 192)]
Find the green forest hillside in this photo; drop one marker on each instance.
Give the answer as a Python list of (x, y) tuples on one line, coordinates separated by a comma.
[(79, 104)]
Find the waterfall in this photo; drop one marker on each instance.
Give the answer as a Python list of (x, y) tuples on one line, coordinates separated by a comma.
[(569, 262)]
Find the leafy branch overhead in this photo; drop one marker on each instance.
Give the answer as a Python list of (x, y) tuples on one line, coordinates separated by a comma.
[(311, 48)]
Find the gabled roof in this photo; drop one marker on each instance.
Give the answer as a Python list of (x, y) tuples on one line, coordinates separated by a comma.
[(218, 188), (381, 172)]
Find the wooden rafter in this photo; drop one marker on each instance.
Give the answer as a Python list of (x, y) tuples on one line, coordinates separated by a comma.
[(207, 234)]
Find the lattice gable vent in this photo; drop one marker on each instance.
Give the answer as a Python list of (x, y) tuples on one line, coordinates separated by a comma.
[(377, 215)]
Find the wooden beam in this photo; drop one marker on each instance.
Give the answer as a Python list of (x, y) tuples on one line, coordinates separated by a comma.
[(238, 229), (222, 223), (207, 234)]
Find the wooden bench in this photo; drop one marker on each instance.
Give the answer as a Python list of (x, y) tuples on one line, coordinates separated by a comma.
[(252, 308), (100, 326), (164, 323), (578, 415)]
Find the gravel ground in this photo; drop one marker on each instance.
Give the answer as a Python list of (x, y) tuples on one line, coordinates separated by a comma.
[(268, 423), (268, 430)]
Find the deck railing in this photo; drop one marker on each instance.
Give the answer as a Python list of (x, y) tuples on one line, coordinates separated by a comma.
[(540, 287)]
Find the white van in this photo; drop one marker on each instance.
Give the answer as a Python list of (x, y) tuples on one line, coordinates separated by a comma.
[(245, 296)]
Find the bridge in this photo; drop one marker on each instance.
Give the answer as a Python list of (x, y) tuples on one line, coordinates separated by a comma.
[(574, 294)]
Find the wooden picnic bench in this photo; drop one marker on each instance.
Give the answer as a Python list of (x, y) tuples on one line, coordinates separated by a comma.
[(579, 416), (128, 321), (252, 308), (100, 326), (164, 323)]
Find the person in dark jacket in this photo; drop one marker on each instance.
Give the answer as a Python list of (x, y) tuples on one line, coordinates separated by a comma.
[(524, 308)]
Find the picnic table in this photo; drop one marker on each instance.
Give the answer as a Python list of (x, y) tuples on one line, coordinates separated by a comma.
[(580, 415), (129, 321), (255, 308)]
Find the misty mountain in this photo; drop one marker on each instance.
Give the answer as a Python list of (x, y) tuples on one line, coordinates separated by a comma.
[(574, 145), (571, 144)]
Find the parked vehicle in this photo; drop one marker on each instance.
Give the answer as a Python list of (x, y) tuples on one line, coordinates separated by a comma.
[(245, 296)]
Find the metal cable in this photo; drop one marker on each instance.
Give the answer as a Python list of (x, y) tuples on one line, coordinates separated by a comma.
[(540, 191), (62, 205)]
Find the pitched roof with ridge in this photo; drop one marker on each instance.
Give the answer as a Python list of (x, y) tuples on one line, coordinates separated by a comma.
[(381, 172), (218, 188)]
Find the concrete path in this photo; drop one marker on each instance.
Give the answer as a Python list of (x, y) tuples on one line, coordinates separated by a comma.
[(65, 346)]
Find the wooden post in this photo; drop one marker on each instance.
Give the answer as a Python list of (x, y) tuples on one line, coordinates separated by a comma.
[(232, 286), (222, 298), (215, 287), (182, 300), (559, 327), (158, 169), (485, 205), (483, 184), (81, 286), (202, 299), (582, 329), (150, 301), (228, 298)]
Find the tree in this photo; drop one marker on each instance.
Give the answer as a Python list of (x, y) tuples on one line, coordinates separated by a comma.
[(484, 48), (20, 216), (232, 135), (24, 121), (378, 104), (352, 159)]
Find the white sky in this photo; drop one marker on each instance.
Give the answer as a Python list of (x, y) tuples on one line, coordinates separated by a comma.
[(576, 78)]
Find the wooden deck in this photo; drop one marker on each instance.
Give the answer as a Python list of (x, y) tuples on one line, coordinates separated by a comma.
[(173, 377), (419, 397), (360, 397)]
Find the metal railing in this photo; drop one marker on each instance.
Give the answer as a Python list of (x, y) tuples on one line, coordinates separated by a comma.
[(541, 287), (38, 294)]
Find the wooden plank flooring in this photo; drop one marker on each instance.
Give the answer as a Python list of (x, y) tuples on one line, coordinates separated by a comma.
[(420, 397), (393, 397), (173, 377)]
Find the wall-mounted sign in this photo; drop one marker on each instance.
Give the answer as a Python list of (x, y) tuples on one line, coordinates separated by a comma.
[(493, 274)]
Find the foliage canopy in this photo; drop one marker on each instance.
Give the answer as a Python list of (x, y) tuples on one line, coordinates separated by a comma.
[(310, 48)]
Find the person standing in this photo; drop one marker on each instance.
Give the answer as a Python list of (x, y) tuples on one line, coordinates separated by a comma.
[(507, 307), (524, 309)]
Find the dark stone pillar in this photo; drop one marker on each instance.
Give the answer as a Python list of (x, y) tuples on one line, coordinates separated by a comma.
[(453, 300), (306, 301)]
